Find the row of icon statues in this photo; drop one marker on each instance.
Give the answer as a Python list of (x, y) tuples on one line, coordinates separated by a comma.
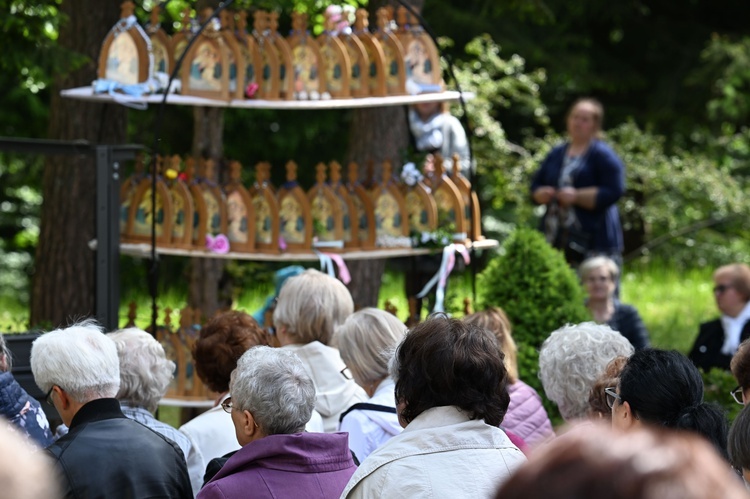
[(334, 214), (230, 61)]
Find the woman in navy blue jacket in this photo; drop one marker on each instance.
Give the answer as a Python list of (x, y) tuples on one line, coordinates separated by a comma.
[(581, 181)]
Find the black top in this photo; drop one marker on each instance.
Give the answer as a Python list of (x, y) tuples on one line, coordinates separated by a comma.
[(107, 455), (628, 322), (706, 351)]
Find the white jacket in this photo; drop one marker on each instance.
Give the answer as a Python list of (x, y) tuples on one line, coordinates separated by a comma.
[(333, 392), (442, 453), (367, 429)]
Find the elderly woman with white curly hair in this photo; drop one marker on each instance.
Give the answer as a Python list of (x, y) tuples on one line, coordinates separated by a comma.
[(272, 400), (571, 360), (145, 373)]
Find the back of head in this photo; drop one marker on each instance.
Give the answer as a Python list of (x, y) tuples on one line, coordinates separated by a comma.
[(222, 341), (738, 443), (571, 360), (273, 385), (740, 365), (145, 371), (496, 321), (367, 340), (665, 388), (609, 378), (311, 305), (447, 362), (25, 473), (643, 464), (80, 359)]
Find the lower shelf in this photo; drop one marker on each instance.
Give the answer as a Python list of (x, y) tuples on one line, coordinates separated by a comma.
[(144, 251)]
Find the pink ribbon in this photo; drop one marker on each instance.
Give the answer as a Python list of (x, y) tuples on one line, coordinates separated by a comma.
[(344, 275), (218, 244)]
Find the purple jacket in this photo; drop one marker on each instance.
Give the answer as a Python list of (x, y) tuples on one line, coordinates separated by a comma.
[(526, 416), (310, 465)]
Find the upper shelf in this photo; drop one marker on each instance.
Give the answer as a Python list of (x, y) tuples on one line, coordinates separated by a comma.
[(86, 94)]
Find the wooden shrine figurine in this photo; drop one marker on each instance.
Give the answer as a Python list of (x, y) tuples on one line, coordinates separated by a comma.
[(286, 85), (327, 213), (349, 209), (198, 233), (375, 74), (210, 205), (467, 306), (360, 64), (205, 70), (251, 53), (142, 211), (295, 214), (183, 207), (364, 214), (237, 60), (391, 217), (132, 315), (423, 214), (421, 57), (308, 67), (161, 44), (240, 212), (127, 192), (125, 56), (470, 199), (449, 202), (391, 308), (269, 74), (266, 208), (336, 61), (395, 71), (414, 316), (182, 37)]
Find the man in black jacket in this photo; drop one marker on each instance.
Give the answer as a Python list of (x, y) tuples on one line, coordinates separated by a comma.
[(105, 454)]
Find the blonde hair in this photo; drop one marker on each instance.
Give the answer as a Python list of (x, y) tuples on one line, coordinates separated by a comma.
[(740, 275), (311, 305), (367, 340), (496, 321), (599, 261)]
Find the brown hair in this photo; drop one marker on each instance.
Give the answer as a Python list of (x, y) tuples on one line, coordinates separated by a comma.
[(740, 275), (738, 444), (598, 111), (496, 321), (222, 341), (641, 464), (740, 365), (609, 378), (445, 362)]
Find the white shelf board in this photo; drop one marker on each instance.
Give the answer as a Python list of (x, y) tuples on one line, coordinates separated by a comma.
[(144, 251), (86, 94)]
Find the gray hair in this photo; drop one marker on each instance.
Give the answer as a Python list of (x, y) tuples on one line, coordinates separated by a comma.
[(145, 371), (367, 341), (6, 359), (79, 359), (272, 384), (311, 305), (599, 261), (572, 359)]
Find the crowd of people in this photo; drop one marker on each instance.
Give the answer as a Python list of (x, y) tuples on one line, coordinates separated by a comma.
[(336, 403)]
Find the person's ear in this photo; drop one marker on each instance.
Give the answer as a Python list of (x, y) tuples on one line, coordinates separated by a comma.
[(250, 426), (62, 398), (628, 416)]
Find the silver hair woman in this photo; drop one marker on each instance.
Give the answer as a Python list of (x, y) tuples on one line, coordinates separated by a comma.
[(599, 276), (272, 400), (367, 340), (310, 307), (571, 360), (145, 373)]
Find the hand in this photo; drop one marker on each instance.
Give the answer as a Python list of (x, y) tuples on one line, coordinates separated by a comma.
[(566, 196), (543, 195)]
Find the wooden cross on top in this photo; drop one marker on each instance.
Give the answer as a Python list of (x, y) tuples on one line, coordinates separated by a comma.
[(235, 171), (387, 171), (260, 21), (291, 171), (335, 174), (127, 9), (361, 19), (320, 173), (353, 172)]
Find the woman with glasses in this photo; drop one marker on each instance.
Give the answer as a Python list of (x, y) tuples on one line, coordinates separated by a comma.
[(599, 276), (663, 388), (718, 339), (272, 400), (740, 367), (366, 341)]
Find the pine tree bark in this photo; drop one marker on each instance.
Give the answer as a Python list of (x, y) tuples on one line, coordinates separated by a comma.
[(63, 285)]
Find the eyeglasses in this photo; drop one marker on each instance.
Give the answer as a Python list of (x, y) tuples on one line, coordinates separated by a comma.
[(611, 396), (737, 395), (719, 289), (47, 398), (346, 373), (227, 405)]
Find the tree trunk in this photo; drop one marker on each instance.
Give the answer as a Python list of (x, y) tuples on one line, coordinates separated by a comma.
[(377, 134), (63, 286), (206, 273)]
